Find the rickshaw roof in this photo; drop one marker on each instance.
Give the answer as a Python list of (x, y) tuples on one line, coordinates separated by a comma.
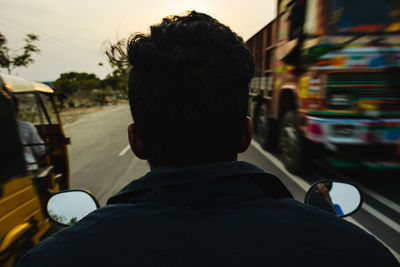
[(16, 84)]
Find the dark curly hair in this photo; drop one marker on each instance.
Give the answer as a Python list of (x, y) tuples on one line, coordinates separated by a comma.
[(188, 89)]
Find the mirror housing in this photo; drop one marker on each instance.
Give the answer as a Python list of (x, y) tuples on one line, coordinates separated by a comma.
[(68, 207), (339, 198)]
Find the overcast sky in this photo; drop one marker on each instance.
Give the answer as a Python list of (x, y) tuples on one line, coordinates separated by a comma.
[(73, 33)]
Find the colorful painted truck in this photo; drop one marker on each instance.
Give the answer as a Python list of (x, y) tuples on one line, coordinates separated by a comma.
[(327, 83)]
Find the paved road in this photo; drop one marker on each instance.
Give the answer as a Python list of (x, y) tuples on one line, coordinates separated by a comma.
[(97, 140), (102, 163)]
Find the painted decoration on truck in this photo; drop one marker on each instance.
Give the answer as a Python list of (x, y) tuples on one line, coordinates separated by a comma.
[(358, 59), (346, 16), (278, 82), (283, 4), (388, 40), (303, 86)]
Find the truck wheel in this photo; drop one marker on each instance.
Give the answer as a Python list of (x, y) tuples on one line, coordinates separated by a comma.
[(292, 144), (264, 128)]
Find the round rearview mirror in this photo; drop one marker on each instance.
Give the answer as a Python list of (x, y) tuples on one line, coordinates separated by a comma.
[(68, 207), (339, 198)]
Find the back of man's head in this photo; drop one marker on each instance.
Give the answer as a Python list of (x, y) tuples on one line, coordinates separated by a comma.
[(188, 90)]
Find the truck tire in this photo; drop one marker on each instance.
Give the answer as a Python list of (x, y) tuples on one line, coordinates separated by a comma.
[(264, 128), (292, 144)]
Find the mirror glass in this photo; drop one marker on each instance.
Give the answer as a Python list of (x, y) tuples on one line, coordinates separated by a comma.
[(338, 198), (69, 207)]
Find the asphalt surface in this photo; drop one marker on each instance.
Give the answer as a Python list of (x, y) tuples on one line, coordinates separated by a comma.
[(97, 140), (102, 163)]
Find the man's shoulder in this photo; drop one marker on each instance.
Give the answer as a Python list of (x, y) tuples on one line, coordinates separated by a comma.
[(337, 236), (99, 235), (261, 230), (68, 246)]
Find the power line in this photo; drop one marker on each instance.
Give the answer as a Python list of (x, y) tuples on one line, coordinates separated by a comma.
[(49, 36)]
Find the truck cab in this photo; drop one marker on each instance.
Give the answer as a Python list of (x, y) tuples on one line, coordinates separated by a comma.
[(333, 86)]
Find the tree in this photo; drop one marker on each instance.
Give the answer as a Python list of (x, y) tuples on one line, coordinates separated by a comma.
[(22, 57), (117, 79), (82, 83)]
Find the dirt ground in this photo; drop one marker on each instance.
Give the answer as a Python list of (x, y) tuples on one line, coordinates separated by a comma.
[(70, 115)]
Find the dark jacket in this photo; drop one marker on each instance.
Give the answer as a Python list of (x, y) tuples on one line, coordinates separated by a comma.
[(216, 214)]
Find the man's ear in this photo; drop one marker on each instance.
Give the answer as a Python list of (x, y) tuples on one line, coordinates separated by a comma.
[(246, 135), (135, 142)]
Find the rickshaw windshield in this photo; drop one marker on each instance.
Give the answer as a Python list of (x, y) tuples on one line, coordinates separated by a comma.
[(28, 108), (362, 15), (48, 106), (36, 108)]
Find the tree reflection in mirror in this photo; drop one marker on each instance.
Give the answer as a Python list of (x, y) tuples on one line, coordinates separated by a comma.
[(68, 207), (339, 198)]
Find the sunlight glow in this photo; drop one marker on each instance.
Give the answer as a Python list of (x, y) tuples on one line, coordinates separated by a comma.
[(180, 7)]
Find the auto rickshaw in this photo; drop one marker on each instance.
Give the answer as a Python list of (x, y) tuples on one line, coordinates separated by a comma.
[(24, 190)]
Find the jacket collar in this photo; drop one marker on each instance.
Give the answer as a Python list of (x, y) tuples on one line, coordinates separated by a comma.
[(170, 176)]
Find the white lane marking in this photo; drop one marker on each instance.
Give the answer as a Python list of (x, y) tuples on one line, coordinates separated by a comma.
[(123, 152), (387, 202), (389, 222), (305, 186)]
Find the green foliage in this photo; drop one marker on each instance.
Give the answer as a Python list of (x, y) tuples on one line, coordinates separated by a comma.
[(58, 218), (62, 218), (84, 89), (13, 58), (118, 79), (76, 83), (99, 97)]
